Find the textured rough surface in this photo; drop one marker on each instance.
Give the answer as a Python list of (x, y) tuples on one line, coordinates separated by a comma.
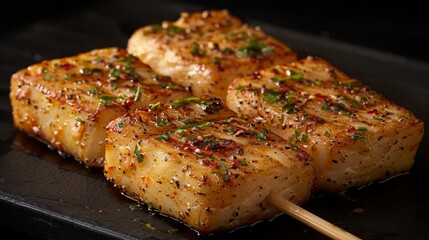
[(194, 160), (68, 102), (355, 135), (207, 50)]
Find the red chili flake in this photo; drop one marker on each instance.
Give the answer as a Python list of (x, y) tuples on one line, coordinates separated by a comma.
[(67, 66), (129, 103), (374, 111), (351, 129), (236, 164), (213, 165), (187, 146), (321, 95)]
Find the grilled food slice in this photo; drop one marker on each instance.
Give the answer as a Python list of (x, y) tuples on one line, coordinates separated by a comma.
[(355, 135), (194, 160), (68, 102), (207, 50)]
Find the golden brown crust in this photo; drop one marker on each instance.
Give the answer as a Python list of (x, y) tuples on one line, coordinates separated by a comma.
[(354, 134), (193, 159), (207, 50), (67, 102)]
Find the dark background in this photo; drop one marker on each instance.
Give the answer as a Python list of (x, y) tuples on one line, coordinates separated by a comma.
[(398, 27)]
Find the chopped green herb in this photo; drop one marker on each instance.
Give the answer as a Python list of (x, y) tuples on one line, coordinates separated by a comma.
[(184, 101), (106, 97), (297, 76), (304, 137), (85, 71), (362, 128), (129, 69), (105, 103), (304, 118), (407, 116), (136, 207), (149, 204), (276, 80), (161, 122), (319, 82), (93, 90), (325, 106), (79, 119), (138, 93), (161, 77), (344, 112), (271, 95), (228, 129), (357, 136), (254, 49), (202, 125), (290, 109), (261, 136), (228, 50), (377, 118), (239, 88), (114, 73), (137, 153), (294, 75), (228, 120), (242, 163), (216, 60), (222, 166), (168, 85), (152, 29), (180, 131), (196, 50), (327, 134), (355, 104), (175, 29), (121, 124), (154, 106), (163, 137)]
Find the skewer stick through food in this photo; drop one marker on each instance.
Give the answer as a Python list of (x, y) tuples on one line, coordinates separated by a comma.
[(355, 135), (308, 218), (195, 160), (292, 128)]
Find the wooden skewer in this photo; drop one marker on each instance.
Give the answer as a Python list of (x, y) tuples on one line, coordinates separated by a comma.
[(309, 218)]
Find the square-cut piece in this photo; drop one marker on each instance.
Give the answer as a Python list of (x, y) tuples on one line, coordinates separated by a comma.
[(194, 160), (207, 50), (68, 102), (354, 135)]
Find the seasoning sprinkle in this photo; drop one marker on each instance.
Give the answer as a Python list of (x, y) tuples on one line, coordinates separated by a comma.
[(137, 153)]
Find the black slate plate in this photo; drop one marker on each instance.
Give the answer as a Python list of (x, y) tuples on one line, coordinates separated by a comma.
[(47, 196)]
